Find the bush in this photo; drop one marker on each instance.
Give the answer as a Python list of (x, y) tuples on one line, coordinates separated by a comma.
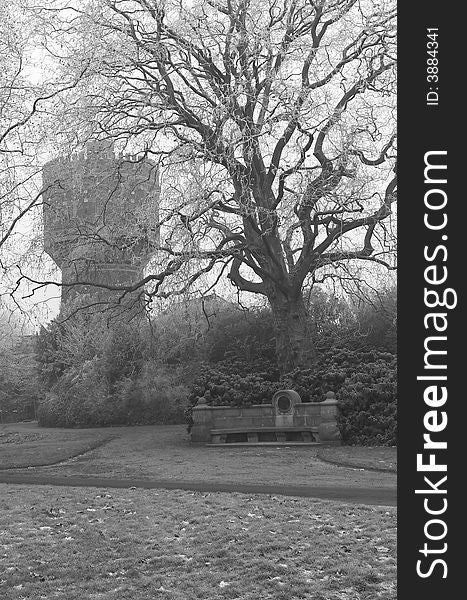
[(158, 397), (365, 384), (19, 390), (222, 388), (78, 399), (368, 406), (16, 407), (51, 365), (86, 399), (97, 376), (377, 322), (244, 336), (332, 369)]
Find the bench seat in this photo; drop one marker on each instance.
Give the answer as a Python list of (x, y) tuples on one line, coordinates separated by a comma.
[(257, 434)]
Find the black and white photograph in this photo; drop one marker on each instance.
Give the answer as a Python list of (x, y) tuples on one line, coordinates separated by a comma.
[(201, 303)]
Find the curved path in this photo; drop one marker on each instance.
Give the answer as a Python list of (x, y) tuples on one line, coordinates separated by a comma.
[(160, 456), (379, 496), (350, 465)]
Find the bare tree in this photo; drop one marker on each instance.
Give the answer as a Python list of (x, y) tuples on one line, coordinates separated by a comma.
[(28, 87), (273, 125)]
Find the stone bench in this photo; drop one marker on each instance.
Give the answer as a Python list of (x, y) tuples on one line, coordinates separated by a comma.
[(285, 419)]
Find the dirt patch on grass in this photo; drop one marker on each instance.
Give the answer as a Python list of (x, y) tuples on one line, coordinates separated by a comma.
[(17, 437), (72, 544), (19, 449), (374, 458)]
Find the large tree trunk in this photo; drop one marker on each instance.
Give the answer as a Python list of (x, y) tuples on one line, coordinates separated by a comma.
[(294, 346)]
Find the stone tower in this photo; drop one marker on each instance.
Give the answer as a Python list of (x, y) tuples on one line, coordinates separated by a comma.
[(100, 224)]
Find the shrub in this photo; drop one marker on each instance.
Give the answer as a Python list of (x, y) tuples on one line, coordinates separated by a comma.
[(158, 396), (377, 321), (101, 375), (19, 391), (78, 399), (86, 399), (368, 405), (123, 353), (365, 385), (96, 375), (221, 386), (16, 406), (331, 369), (244, 336)]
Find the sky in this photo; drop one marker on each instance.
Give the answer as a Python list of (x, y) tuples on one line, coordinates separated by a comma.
[(45, 303)]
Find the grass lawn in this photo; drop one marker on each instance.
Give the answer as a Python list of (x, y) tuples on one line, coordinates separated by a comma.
[(88, 544), (165, 452), (378, 457), (35, 447)]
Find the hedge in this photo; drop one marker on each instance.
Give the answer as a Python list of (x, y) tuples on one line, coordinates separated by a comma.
[(364, 382)]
